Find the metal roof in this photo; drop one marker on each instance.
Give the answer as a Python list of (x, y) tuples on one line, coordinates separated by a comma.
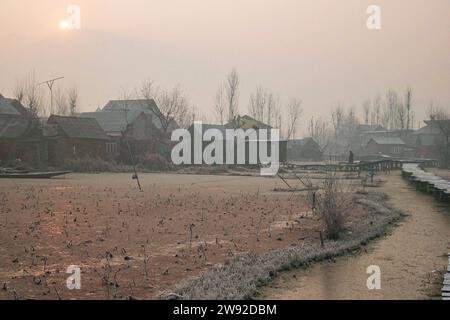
[(388, 140), (115, 116), (74, 127), (135, 105), (13, 127), (113, 122), (11, 107)]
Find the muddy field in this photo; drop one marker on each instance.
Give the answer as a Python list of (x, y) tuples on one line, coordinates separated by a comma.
[(140, 244)]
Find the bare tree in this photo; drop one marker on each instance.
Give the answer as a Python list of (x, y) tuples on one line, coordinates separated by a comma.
[(219, 104), (294, 112), (62, 107), (276, 114), (401, 116), (174, 105), (19, 91), (408, 107), (437, 113), (232, 91), (258, 103), (337, 117), (30, 95), (318, 130), (366, 108), (390, 118), (376, 109), (350, 125), (272, 102), (73, 100)]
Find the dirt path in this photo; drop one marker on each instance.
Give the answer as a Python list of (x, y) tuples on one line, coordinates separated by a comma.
[(408, 257)]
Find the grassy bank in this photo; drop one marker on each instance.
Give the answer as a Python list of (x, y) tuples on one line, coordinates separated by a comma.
[(240, 277)]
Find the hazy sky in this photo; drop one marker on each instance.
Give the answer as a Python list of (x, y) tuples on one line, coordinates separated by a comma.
[(318, 50)]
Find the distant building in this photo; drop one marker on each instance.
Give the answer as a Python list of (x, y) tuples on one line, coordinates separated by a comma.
[(306, 149), (390, 146), (336, 151), (19, 134), (74, 137), (246, 122), (222, 129), (135, 124), (147, 106), (428, 140)]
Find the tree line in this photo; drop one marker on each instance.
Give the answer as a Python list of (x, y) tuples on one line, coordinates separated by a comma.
[(31, 95)]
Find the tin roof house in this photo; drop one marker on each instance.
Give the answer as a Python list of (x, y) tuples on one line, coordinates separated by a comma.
[(70, 138), (19, 133), (306, 149), (386, 146), (135, 124)]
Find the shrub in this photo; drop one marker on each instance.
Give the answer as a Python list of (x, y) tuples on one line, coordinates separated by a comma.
[(154, 161), (333, 206), (90, 164)]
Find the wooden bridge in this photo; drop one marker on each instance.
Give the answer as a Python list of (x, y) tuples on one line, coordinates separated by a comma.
[(446, 284), (427, 181), (383, 165)]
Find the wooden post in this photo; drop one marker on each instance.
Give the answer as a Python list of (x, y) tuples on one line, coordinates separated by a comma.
[(321, 239)]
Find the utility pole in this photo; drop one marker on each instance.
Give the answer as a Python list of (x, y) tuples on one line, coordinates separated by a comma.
[(49, 84), (130, 151)]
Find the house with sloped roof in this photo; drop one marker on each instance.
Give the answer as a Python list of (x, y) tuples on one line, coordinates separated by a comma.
[(71, 138), (429, 140), (251, 146), (148, 107), (390, 146), (132, 124), (20, 137), (247, 122), (306, 149)]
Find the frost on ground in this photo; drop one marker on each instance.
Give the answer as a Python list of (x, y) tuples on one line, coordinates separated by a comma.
[(240, 277)]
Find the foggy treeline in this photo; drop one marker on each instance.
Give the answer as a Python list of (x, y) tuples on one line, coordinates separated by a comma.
[(391, 111)]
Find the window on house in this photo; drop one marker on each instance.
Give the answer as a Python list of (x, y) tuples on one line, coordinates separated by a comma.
[(111, 147), (396, 150)]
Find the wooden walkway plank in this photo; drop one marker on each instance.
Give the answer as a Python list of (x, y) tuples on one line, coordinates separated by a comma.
[(427, 181), (446, 285)]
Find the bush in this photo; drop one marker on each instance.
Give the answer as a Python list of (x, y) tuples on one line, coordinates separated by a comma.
[(333, 206), (154, 161), (90, 164)]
